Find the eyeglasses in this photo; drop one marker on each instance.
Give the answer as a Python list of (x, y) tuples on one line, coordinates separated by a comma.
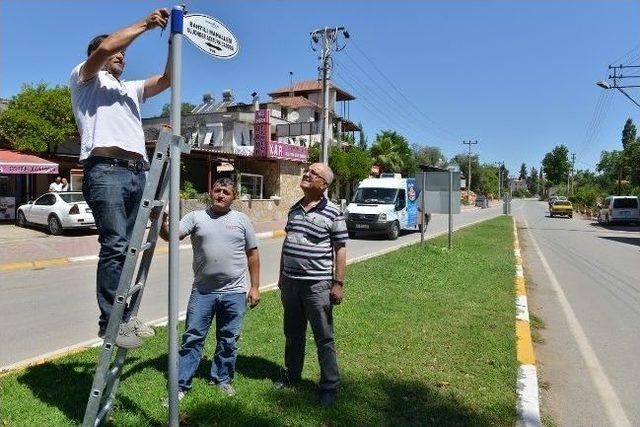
[(314, 174)]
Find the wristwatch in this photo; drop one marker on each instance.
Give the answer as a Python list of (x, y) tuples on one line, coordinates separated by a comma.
[(337, 282)]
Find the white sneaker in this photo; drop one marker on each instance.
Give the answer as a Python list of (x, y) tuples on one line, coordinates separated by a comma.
[(141, 329), (181, 394)]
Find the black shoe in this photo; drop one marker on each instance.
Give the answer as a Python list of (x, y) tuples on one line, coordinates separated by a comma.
[(285, 381), (328, 398)]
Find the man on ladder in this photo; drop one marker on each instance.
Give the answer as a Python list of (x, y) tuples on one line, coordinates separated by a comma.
[(107, 112)]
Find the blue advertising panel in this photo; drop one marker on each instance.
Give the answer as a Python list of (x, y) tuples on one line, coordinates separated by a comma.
[(412, 202)]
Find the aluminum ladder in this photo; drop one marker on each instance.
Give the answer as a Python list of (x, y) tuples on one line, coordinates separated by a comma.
[(154, 198)]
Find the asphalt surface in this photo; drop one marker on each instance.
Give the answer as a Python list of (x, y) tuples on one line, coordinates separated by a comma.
[(586, 289), (48, 309)]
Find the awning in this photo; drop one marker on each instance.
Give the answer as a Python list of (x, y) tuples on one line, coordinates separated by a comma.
[(15, 162)]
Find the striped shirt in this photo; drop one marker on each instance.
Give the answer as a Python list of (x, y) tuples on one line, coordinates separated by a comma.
[(308, 250)]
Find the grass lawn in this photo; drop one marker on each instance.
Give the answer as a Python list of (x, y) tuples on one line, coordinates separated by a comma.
[(425, 336)]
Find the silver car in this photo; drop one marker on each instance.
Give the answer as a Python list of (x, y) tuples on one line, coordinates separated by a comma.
[(56, 212)]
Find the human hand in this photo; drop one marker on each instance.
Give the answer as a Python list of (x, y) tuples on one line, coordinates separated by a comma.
[(157, 18), (335, 294), (253, 297)]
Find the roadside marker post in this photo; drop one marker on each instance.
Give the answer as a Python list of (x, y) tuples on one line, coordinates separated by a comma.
[(213, 38), (177, 18), (450, 207)]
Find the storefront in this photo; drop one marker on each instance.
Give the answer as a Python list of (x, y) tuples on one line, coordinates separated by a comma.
[(22, 177)]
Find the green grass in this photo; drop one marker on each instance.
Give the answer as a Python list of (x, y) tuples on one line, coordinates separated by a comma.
[(425, 336)]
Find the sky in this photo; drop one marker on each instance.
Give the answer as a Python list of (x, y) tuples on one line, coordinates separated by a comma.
[(518, 77)]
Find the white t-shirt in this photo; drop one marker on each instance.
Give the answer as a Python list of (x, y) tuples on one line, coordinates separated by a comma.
[(55, 186), (107, 112)]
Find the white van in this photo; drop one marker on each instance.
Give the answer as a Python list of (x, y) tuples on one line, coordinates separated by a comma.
[(384, 205), (619, 209)]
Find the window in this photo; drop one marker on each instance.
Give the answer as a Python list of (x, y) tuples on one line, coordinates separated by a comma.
[(625, 203), (375, 196), (46, 200), (72, 197), (250, 186), (400, 202)]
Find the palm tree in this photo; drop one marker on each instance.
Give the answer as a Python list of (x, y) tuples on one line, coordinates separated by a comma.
[(391, 152)]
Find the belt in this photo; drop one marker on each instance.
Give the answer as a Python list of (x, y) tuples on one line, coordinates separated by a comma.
[(133, 165)]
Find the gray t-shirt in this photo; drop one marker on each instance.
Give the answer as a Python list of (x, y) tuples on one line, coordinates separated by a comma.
[(219, 246)]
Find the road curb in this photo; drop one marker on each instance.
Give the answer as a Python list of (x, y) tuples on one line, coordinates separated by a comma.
[(49, 262), (527, 384)]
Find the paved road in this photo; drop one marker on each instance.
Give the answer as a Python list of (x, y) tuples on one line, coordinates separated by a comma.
[(587, 291), (48, 309)]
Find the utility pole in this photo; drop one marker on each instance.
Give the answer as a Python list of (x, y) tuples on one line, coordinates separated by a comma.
[(618, 74), (573, 164), (469, 143), (329, 37), (499, 181)]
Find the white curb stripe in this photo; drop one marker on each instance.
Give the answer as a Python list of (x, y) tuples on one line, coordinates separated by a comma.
[(522, 308), (528, 404)]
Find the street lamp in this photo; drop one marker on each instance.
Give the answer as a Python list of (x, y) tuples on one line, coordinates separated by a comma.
[(603, 84)]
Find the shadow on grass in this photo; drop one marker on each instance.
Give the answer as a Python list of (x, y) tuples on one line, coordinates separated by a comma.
[(66, 386), (383, 401)]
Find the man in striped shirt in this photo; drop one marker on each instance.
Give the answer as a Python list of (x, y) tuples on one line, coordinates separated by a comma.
[(312, 268)]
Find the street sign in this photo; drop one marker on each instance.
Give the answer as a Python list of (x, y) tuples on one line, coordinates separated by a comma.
[(210, 35)]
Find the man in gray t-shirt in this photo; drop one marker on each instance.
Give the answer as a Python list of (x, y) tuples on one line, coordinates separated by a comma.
[(224, 246)]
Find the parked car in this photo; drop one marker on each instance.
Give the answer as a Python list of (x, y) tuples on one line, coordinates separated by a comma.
[(561, 208), (56, 212), (619, 209), (384, 205), (554, 198)]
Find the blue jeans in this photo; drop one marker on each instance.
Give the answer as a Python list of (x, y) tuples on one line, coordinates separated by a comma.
[(229, 312), (113, 193)]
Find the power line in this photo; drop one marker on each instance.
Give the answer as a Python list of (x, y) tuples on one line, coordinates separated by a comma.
[(368, 95), (452, 135), (399, 114)]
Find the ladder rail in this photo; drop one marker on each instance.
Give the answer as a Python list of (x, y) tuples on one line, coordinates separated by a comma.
[(104, 388)]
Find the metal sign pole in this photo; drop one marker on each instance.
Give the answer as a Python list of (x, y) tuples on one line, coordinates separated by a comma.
[(450, 207), (177, 15), (424, 207)]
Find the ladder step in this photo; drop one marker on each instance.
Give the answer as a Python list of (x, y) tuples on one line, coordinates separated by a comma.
[(135, 289), (112, 374), (103, 412)]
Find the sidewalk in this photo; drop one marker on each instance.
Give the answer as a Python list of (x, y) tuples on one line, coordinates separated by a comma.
[(27, 247)]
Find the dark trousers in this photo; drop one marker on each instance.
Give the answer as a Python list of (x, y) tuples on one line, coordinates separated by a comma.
[(308, 300), (113, 193)]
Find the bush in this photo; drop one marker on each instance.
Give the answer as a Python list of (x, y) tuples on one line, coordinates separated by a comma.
[(521, 193), (188, 191)]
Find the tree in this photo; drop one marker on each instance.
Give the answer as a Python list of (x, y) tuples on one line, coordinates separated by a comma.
[(391, 152), (487, 183), (628, 134), (556, 164), (38, 118), (523, 171), (462, 160), (427, 155), (362, 138), (533, 181), (185, 110), (612, 165), (351, 165)]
